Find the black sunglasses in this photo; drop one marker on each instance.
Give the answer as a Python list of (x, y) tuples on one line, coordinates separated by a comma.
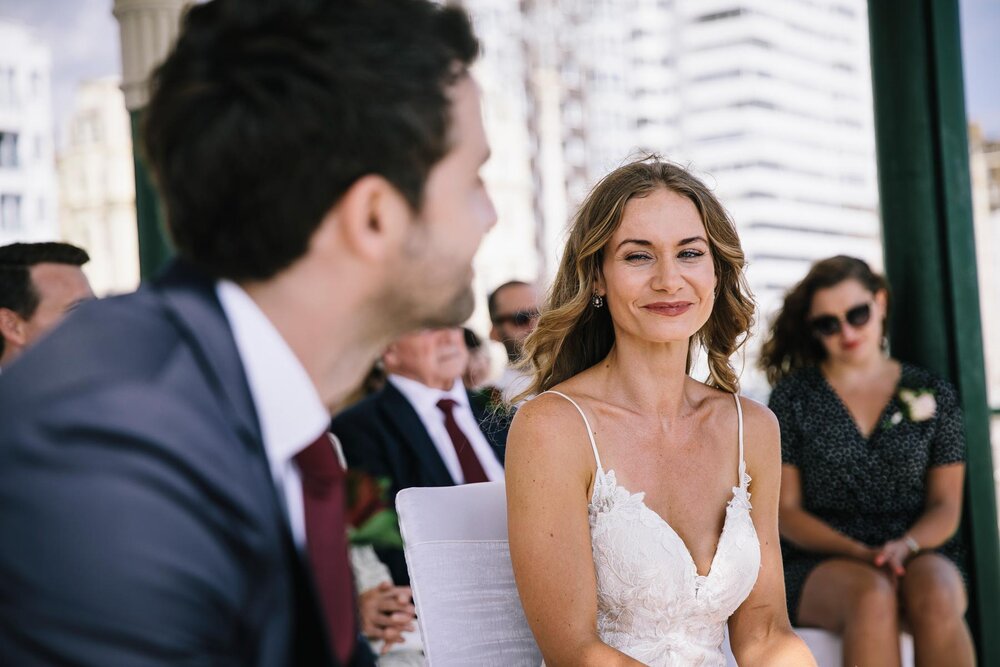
[(828, 325), (519, 319)]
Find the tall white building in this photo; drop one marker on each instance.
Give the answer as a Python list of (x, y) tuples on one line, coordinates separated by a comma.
[(768, 100), (777, 109), (510, 251), (97, 186), (28, 209), (984, 168)]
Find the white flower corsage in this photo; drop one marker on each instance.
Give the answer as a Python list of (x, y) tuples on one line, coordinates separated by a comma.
[(919, 404)]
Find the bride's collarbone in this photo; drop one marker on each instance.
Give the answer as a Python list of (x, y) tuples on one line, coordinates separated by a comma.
[(676, 488)]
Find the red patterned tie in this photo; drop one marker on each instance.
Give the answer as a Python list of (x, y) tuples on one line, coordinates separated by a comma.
[(324, 501), (472, 470)]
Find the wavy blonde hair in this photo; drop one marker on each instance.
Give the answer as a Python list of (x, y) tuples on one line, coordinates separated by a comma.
[(572, 335)]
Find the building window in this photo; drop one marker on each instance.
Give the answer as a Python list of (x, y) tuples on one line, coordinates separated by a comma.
[(718, 16), (8, 150), (10, 213), (7, 96)]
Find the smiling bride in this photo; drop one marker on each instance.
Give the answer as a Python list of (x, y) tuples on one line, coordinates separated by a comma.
[(632, 532)]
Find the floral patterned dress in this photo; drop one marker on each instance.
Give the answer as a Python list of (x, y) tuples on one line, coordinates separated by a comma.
[(873, 489)]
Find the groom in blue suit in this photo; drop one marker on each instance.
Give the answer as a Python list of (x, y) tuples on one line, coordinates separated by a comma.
[(168, 491)]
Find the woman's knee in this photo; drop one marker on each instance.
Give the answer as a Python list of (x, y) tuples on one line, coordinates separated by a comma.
[(841, 594), (933, 593), (873, 596)]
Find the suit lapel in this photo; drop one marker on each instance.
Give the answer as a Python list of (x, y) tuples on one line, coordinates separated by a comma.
[(193, 305), (195, 308), (403, 419)]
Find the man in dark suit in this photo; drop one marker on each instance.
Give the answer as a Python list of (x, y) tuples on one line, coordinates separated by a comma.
[(39, 284), (423, 428), (168, 492)]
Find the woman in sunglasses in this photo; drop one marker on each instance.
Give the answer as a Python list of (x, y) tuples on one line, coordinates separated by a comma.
[(871, 485)]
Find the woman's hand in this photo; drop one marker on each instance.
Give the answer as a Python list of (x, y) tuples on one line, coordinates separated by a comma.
[(893, 555), (386, 612)]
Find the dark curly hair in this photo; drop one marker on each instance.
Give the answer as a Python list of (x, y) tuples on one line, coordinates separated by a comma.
[(790, 345), (267, 111)]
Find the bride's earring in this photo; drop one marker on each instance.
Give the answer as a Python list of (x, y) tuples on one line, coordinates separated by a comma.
[(597, 301)]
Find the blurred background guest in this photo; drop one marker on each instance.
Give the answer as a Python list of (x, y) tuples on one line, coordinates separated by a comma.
[(513, 309), (423, 428), (39, 284), (477, 371), (871, 486), (373, 382)]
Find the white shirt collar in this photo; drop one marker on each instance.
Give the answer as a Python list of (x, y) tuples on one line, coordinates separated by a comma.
[(288, 406), (424, 398)]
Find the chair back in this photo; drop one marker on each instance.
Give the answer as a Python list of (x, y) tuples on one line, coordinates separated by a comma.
[(457, 554)]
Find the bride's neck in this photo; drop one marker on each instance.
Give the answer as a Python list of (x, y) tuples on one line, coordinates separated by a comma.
[(648, 377)]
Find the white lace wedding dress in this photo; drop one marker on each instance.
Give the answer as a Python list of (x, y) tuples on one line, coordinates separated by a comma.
[(652, 604)]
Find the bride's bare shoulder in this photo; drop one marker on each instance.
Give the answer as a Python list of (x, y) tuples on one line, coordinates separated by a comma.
[(549, 431), (549, 413)]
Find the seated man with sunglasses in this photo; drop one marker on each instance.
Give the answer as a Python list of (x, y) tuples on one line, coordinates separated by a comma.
[(513, 309), (873, 458)]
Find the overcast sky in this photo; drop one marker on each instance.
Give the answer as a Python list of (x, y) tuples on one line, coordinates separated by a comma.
[(981, 55), (83, 36)]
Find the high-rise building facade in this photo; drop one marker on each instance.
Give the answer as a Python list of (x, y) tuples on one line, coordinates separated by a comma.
[(97, 186), (28, 209), (510, 250), (984, 168), (768, 100)]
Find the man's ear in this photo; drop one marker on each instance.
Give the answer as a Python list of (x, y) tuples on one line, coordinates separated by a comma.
[(369, 220), (12, 327), (390, 358)]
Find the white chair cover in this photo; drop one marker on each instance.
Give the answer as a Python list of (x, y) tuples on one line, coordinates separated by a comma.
[(463, 586)]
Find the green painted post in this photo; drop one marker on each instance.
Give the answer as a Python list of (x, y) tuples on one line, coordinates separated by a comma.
[(154, 245), (930, 253)]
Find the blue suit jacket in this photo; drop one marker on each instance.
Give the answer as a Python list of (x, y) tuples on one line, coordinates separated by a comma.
[(139, 523), (383, 436)]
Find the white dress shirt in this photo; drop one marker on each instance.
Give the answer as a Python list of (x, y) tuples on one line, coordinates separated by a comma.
[(288, 406), (424, 400)]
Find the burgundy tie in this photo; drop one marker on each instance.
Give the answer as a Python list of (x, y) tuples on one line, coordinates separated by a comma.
[(324, 501), (472, 470)]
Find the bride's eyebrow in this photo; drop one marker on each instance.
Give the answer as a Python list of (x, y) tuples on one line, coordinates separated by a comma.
[(692, 239), (641, 242)]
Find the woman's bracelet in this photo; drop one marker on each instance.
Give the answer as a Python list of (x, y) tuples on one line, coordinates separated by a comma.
[(911, 543)]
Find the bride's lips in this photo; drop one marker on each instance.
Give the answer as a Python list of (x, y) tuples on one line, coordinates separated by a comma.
[(669, 308)]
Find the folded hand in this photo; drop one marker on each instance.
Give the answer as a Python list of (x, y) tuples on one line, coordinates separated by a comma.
[(386, 613)]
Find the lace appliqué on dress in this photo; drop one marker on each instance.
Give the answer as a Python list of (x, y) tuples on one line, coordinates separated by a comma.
[(652, 603)]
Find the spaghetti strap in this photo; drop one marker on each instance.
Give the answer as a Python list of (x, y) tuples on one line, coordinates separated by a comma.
[(590, 433), (743, 463)]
